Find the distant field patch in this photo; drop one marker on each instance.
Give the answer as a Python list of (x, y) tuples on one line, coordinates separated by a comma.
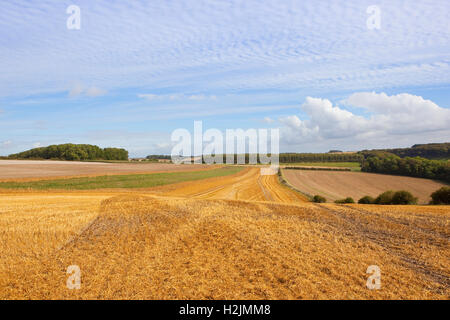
[(121, 181), (318, 168), (354, 166), (334, 185), (50, 169)]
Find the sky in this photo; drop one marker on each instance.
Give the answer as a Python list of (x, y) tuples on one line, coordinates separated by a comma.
[(137, 70)]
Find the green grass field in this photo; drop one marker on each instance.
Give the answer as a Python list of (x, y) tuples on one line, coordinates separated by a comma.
[(121, 181)]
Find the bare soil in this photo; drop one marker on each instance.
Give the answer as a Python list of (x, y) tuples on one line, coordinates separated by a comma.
[(334, 185)]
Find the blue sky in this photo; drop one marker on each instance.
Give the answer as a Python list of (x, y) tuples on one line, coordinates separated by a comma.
[(137, 70)]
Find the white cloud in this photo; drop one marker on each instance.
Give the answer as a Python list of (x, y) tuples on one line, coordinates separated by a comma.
[(234, 45), (6, 144), (95, 92), (268, 120), (77, 90), (402, 113), (163, 145), (202, 97), (37, 145), (406, 117), (148, 96), (176, 96)]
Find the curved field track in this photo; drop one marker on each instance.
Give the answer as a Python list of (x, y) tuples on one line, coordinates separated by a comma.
[(248, 185), (334, 185)]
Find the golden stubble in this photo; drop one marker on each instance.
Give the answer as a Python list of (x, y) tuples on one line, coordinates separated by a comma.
[(204, 240)]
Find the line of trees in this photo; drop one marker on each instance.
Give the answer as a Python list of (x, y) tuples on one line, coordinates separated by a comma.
[(302, 157), (74, 152), (429, 151), (408, 166), (320, 157), (285, 157), (158, 157)]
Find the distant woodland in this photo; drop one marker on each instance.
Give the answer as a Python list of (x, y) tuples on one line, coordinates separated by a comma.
[(421, 160), (74, 152)]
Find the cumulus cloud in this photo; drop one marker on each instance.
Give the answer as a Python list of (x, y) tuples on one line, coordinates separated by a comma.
[(388, 117)]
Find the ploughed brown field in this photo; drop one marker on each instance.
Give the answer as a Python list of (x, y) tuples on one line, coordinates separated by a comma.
[(25, 169), (243, 236), (334, 185)]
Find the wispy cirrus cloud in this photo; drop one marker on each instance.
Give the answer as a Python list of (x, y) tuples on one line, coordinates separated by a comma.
[(176, 96), (79, 89), (268, 120)]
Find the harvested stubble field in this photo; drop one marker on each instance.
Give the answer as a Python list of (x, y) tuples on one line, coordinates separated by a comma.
[(29, 169), (243, 236), (334, 185), (120, 181)]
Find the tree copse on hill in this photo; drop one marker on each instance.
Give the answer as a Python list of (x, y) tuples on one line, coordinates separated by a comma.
[(384, 162), (71, 151), (428, 151)]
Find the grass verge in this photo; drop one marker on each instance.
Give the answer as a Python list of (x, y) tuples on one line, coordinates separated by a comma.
[(284, 182)]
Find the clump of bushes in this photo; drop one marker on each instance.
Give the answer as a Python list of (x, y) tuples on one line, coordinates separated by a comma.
[(403, 197), (388, 163), (385, 197), (346, 200), (366, 200), (395, 197), (441, 196), (319, 199)]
